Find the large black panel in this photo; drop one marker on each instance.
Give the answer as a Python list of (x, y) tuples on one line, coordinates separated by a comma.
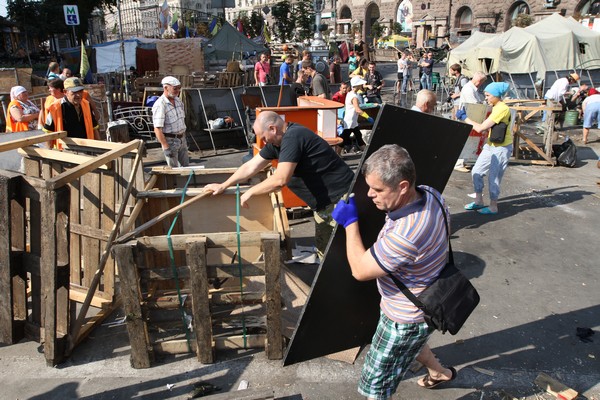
[(342, 313)]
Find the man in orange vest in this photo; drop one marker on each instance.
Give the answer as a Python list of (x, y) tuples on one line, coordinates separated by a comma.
[(72, 113)]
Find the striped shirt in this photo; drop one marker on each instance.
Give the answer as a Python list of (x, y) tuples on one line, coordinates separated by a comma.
[(413, 245), (169, 117)]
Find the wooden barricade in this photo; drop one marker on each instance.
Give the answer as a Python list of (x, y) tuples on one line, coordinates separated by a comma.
[(75, 200), (223, 289)]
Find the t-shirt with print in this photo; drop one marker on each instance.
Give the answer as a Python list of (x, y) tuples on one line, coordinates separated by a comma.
[(321, 177)]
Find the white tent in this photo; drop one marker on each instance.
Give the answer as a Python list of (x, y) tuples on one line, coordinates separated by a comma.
[(555, 43), (108, 56)]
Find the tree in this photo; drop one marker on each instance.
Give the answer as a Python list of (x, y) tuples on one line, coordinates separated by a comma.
[(284, 20), (305, 20), (256, 23), (523, 20)]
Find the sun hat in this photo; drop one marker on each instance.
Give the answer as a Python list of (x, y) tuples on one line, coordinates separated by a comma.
[(171, 81), (497, 89), (73, 84), (575, 76), (357, 81)]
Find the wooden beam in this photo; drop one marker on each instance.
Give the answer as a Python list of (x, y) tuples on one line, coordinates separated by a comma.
[(29, 141), (97, 319), (186, 171), (554, 387), (213, 271), (159, 218), (168, 193), (213, 240), (535, 147), (138, 206), (56, 155), (196, 258), (179, 346), (80, 170), (90, 232), (78, 293), (274, 346), (68, 142)]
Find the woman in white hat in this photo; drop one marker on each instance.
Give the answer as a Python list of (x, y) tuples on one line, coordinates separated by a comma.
[(351, 112), (23, 113)]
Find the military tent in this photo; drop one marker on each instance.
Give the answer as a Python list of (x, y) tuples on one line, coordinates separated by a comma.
[(555, 43), (229, 42)]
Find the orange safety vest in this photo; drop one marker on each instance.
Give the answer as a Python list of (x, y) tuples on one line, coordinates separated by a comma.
[(12, 125), (55, 110)]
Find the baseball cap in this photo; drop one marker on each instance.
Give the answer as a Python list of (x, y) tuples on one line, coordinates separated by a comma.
[(357, 81), (171, 81), (73, 84)]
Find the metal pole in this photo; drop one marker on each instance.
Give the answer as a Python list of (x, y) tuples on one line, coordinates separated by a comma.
[(334, 4), (123, 62)]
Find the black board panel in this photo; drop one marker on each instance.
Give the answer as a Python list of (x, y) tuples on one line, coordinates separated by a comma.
[(342, 313)]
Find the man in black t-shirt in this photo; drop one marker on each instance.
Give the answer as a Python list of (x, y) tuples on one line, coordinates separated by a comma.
[(307, 165)]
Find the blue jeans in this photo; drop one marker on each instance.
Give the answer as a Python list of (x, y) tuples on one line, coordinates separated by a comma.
[(492, 162), (405, 80), (426, 81)]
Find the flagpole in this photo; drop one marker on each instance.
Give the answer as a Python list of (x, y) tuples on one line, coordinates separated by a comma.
[(123, 62)]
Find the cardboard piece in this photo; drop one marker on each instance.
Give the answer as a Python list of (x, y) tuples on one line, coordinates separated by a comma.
[(342, 313)]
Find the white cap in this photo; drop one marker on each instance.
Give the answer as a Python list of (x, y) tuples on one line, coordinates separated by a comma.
[(357, 81), (171, 81)]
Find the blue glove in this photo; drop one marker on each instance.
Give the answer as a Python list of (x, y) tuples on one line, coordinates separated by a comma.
[(345, 213), (370, 120), (461, 115)]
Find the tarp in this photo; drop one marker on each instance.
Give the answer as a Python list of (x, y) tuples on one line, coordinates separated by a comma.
[(108, 56), (229, 42), (555, 43)]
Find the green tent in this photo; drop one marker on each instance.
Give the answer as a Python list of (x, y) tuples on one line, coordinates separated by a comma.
[(230, 44)]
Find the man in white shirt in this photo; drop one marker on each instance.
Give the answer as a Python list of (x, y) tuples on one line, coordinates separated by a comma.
[(470, 93), (558, 89)]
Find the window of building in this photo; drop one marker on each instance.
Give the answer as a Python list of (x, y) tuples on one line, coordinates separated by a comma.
[(464, 18)]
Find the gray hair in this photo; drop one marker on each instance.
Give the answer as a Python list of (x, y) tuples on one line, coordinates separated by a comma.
[(392, 164)]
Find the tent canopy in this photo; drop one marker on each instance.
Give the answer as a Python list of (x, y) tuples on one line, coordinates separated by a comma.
[(553, 44), (228, 42)]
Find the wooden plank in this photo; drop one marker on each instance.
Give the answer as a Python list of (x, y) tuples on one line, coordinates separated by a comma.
[(176, 193), (95, 163), (213, 271), (535, 147), (78, 294), (197, 171), (78, 143), (170, 302), (274, 347), (107, 223), (90, 232), (196, 258), (56, 155), (51, 200), (32, 169), (179, 346), (98, 319), (62, 265), (75, 218), (554, 387), (213, 240), (17, 144), (90, 216), (131, 294), (138, 206), (159, 218), (529, 162)]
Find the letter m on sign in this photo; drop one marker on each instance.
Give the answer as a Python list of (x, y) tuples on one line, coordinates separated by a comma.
[(71, 15)]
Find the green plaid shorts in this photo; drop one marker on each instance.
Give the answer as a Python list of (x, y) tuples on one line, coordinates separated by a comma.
[(393, 349)]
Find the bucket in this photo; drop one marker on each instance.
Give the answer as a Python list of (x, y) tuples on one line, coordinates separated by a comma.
[(571, 118)]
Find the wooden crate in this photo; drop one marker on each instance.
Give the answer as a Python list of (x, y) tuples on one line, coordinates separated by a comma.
[(71, 201), (204, 252)]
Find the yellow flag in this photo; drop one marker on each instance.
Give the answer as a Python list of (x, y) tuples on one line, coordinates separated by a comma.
[(85, 63)]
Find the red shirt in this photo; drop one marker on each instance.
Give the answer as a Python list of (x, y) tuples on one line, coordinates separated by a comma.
[(339, 97)]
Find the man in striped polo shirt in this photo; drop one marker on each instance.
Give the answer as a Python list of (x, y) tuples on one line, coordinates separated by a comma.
[(168, 117), (413, 246)]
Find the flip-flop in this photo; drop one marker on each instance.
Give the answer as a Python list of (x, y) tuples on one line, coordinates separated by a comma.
[(487, 211), (474, 206), (430, 383)]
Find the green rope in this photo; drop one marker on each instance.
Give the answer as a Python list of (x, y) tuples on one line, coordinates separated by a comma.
[(239, 251), (174, 268)]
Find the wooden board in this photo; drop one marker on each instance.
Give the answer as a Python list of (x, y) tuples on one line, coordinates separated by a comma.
[(341, 313)]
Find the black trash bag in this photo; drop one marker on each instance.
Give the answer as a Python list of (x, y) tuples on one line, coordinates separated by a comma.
[(565, 153)]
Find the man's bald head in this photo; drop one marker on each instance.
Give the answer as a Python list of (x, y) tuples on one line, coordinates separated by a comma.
[(426, 101), (269, 127), (479, 78)]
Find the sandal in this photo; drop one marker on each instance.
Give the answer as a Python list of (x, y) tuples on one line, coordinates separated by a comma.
[(487, 211), (474, 206), (430, 383)]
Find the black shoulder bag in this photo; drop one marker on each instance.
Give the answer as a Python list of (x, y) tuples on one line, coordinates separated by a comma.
[(447, 302)]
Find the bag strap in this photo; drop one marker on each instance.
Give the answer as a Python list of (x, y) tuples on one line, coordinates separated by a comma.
[(409, 295)]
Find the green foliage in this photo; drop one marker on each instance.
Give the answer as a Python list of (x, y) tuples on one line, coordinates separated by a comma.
[(284, 20), (377, 30), (523, 20), (397, 28), (256, 23), (305, 20)]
